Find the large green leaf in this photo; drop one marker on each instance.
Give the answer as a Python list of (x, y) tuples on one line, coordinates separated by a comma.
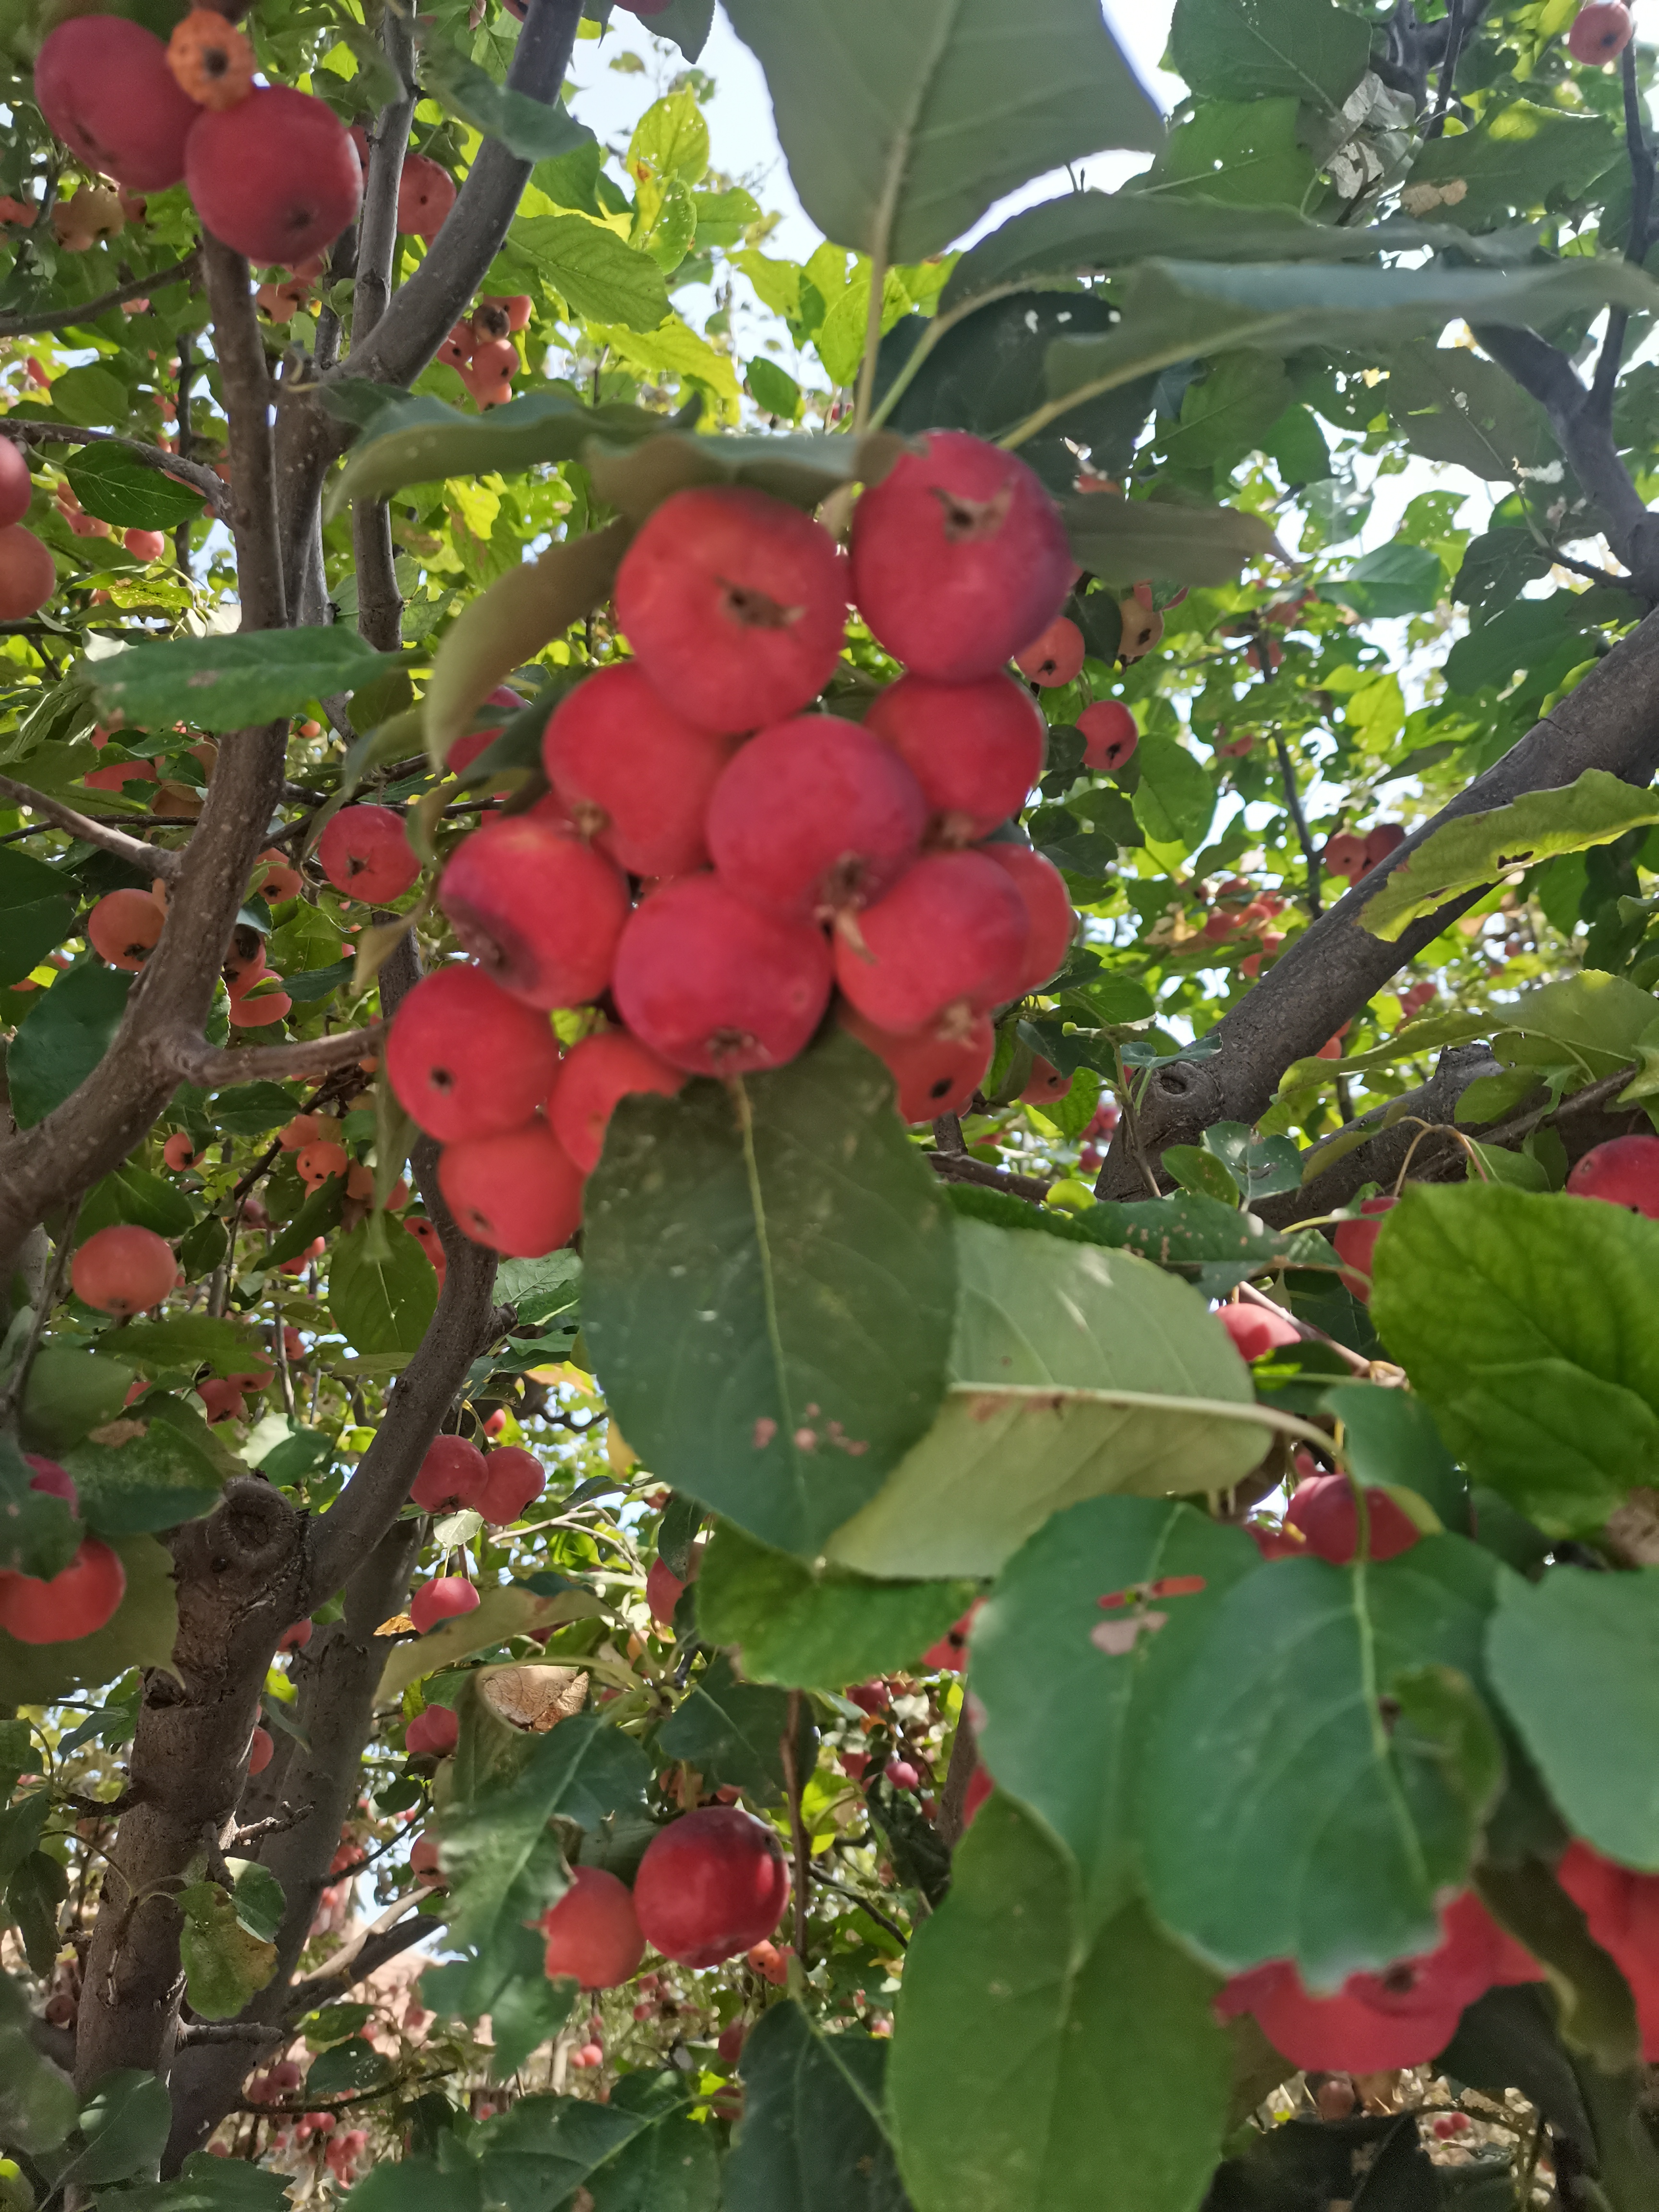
[(224, 1964), (768, 1293), (189, 1340), (804, 468), (1175, 799), (1308, 49), (111, 484), (66, 1035), (206, 2183), (1076, 1371), (1029, 2065), (544, 2149), (1281, 1815), (511, 1609), (140, 1634), (730, 1731), (37, 2104), (1251, 152), (70, 1391), (534, 130), (1518, 157), (37, 908), (1064, 1707), (229, 682), (1451, 404), (1477, 849), (1525, 1320), (123, 2129), (382, 1299), (815, 1629), (1130, 538), (155, 1477), (600, 274), (421, 441), (902, 126), (1574, 1659), (133, 1193), (814, 2135)]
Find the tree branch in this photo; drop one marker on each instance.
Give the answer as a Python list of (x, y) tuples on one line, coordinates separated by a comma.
[(963, 1167), (248, 398), (344, 1973), (136, 287), (1640, 156), (212, 487), (207, 1068), (159, 860), (1609, 721), (380, 602)]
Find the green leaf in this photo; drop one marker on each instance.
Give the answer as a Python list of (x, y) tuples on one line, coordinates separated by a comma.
[(258, 1898), (818, 1630), (960, 107), (1128, 539), (111, 484), (126, 2128), (731, 1731), (65, 1038), (534, 130), (1226, 412), (346, 2069), (1395, 580), (539, 1290), (1518, 158), (1337, 1864), (673, 2166), (190, 1341), (253, 1109), (206, 2183), (1260, 1167), (37, 2104), (1308, 49), (90, 395), (773, 390), (768, 1287), (1076, 1371), (512, 1609), (1212, 1246), (224, 1965), (37, 908), (1199, 1172), (381, 1300), (150, 1481), (601, 278), (1064, 1716), (671, 138), (814, 2135), (141, 1634), (1522, 1321), (803, 469), (1573, 1658), (1390, 1439), (1476, 849), (229, 683), (22, 1824), (318, 1214), (1249, 151), (34, 1895), (421, 441), (1010, 2022), (1174, 799), (543, 2149), (70, 1391), (132, 1193)]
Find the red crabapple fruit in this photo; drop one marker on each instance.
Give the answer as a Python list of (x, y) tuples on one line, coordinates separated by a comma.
[(593, 1934), (1110, 734), (1624, 1171), (1050, 924), (1356, 1242), (16, 484), (296, 1637), (1344, 854), (180, 1151), (277, 176), (465, 1061), (937, 1069), (600, 1072), (815, 816), (514, 1481), (464, 750), (103, 85), (711, 1885), (426, 193), (1255, 1331), (1046, 1084), (1387, 837), (540, 909), (443, 1599), (123, 1269), (63, 1608), (975, 749), (316, 1163), (1054, 657), (52, 1480), (28, 574), (1601, 31), (959, 557), (519, 1193), (635, 774), (124, 927), (260, 1751), (144, 545), (365, 852), (452, 1476), (433, 1734), (715, 986), (736, 605), (952, 931), (1323, 1509), (263, 1003)]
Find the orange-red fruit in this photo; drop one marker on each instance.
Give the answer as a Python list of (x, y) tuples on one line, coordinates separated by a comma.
[(520, 1193), (635, 774), (663, 1591), (222, 1399), (959, 557), (937, 1069), (815, 816), (591, 1932), (1600, 31), (104, 86), (1047, 1084), (442, 1599), (316, 1162), (260, 1751), (1053, 658), (1387, 837), (736, 605), (1255, 1331), (144, 545), (452, 1474), (465, 1061), (975, 749), (364, 852), (433, 1734), (514, 1481), (28, 575), (1110, 735), (715, 985), (1344, 854), (1050, 924), (539, 908), (64, 1608), (1624, 1171), (277, 176), (1355, 1242), (124, 927), (16, 484), (296, 1637), (1323, 1509), (210, 59), (711, 1885), (600, 1071), (180, 1151), (1622, 1906), (264, 1002), (123, 1269), (426, 193), (952, 930)]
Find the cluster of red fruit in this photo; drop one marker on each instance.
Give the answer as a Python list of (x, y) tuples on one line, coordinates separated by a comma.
[(712, 863), (1349, 855), (28, 576), (62, 1607), (481, 351)]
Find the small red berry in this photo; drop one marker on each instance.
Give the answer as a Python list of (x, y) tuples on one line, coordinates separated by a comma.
[(1356, 1241), (599, 1073), (124, 1269), (635, 774), (1054, 657), (442, 1599), (975, 749), (467, 1061), (952, 932), (1255, 1331), (519, 1193), (540, 909), (1323, 1509), (514, 1481), (1110, 736), (452, 1476), (715, 985), (365, 852), (937, 1069), (710, 1885)]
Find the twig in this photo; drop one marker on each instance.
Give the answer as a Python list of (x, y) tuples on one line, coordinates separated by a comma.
[(64, 319), (964, 1758), (249, 396), (1436, 122), (229, 2031), (863, 1905), (963, 1167), (795, 1783), (1640, 154), (1305, 1329), (303, 1997), (1293, 803), (208, 1069), (212, 487), (157, 860), (11, 1397)]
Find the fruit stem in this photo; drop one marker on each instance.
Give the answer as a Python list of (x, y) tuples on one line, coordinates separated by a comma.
[(873, 321)]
